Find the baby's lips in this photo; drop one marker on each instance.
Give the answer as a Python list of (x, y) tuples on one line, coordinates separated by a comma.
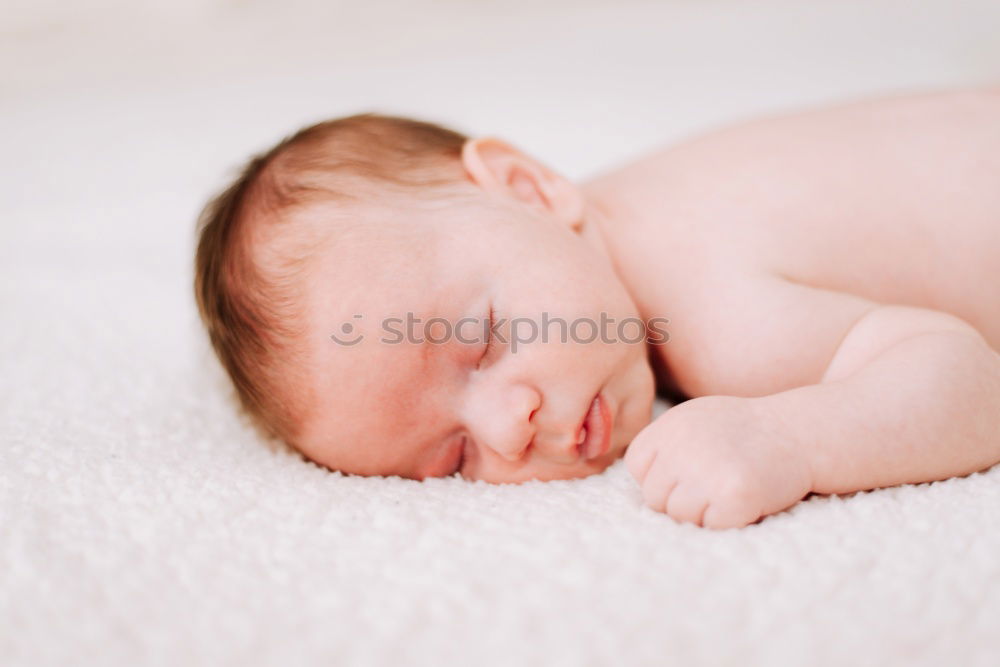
[(598, 429)]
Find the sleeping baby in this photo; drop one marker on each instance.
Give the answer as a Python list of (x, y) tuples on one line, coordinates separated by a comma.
[(819, 292)]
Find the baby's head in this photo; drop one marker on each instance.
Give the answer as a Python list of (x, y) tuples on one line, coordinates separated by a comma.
[(392, 298)]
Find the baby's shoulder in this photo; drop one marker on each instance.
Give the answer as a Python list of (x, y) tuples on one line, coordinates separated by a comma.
[(737, 332)]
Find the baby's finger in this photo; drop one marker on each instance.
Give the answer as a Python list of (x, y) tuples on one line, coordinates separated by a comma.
[(687, 502), (639, 458), (724, 517), (657, 487)]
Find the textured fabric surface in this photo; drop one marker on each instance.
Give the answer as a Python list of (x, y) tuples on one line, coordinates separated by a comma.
[(142, 522)]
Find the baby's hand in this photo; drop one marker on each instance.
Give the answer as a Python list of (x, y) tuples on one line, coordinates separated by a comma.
[(718, 461)]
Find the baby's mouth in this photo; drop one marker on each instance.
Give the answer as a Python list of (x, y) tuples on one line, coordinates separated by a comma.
[(594, 438)]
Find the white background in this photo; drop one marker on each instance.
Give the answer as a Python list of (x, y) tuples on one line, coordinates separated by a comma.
[(141, 522)]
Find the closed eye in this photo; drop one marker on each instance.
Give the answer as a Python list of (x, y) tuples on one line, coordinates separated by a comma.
[(461, 458), (488, 347)]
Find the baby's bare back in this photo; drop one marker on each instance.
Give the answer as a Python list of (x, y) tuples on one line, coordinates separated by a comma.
[(896, 200), (832, 280)]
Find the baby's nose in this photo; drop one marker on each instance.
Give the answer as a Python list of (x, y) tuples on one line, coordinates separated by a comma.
[(505, 423), (512, 453)]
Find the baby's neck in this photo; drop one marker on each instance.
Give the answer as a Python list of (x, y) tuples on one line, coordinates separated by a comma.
[(596, 222), (605, 227)]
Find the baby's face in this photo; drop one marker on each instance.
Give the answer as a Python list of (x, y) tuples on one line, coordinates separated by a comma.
[(397, 392)]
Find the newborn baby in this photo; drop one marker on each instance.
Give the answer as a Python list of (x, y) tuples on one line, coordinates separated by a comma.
[(819, 290)]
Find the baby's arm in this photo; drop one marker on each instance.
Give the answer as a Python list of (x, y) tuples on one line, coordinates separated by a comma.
[(911, 396), (881, 395)]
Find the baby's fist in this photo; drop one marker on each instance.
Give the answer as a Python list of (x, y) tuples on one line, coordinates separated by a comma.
[(717, 461)]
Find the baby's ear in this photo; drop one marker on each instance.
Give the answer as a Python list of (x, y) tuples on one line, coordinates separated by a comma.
[(499, 168)]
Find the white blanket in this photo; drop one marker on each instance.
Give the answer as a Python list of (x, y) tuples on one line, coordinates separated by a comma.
[(141, 522)]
